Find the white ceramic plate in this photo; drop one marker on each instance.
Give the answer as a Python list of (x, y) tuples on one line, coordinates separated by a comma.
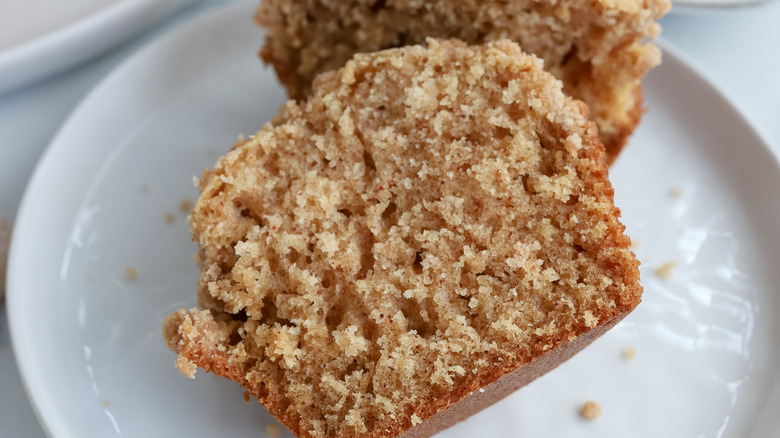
[(88, 339), (42, 37)]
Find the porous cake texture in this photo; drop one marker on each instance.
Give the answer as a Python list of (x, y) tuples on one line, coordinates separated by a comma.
[(597, 47), (430, 230)]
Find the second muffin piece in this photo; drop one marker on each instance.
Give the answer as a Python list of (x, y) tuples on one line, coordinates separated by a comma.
[(432, 229), (596, 47)]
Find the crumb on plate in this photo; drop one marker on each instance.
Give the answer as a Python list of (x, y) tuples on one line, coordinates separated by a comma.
[(665, 271), (131, 274), (273, 430), (591, 410), (169, 218), (676, 192), (629, 352), (185, 205)]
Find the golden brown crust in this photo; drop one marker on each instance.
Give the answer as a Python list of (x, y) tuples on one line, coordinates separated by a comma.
[(430, 220), (195, 337), (447, 412), (503, 386), (596, 47)]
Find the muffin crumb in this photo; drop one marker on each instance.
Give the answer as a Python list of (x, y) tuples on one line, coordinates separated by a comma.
[(185, 205), (676, 192), (273, 430), (629, 352), (131, 274), (665, 270), (169, 218), (590, 410)]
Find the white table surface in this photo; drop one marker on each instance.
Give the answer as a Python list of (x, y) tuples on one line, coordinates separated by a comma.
[(738, 49)]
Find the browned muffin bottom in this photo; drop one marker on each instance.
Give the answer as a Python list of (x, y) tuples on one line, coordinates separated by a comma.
[(431, 229), (596, 47)]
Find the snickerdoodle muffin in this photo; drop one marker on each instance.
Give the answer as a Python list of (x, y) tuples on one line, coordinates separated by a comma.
[(596, 47), (430, 230)]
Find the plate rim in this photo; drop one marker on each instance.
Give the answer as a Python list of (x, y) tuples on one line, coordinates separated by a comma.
[(44, 55), (34, 385), (669, 48)]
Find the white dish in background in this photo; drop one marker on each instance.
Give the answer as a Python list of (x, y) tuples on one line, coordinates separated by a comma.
[(719, 3), (703, 6), (88, 340), (41, 37)]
